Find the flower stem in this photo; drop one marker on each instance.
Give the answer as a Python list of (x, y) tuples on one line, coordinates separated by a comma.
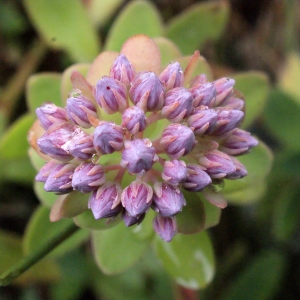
[(23, 265)]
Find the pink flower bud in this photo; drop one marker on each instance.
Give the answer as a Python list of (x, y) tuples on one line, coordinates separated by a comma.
[(138, 156), (166, 227), (122, 70), (105, 201), (45, 171), (79, 109), (110, 94), (240, 171), (172, 76), (50, 114), (167, 199), (108, 137), (88, 177), (129, 220), (224, 87), (177, 140), (147, 92), (134, 119), (137, 198), (197, 179), (174, 172), (204, 94), (59, 179), (199, 79)]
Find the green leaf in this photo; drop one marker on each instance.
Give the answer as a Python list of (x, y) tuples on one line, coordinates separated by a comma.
[(46, 198), (281, 116), (137, 17), (65, 25), (189, 259), (117, 249), (255, 98), (40, 229), (260, 280), (13, 144), (212, 213), (41, 88), (199, 23)]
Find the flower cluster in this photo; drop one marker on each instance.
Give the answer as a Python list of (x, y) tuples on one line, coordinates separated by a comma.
[(197, 146)]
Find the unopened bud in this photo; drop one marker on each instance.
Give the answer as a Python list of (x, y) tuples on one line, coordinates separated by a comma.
[(172, 76), (240, 171), (174, 172), (197, 178), (45, 171), (204, 94), (134, 119), (166, 227), (122, 70), (199, 79), (224, 87), (129, 220)]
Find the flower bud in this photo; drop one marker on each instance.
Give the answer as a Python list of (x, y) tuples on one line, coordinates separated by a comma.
[(45, 171), (172, 76), (138, 156), (147, 92), (122, 70), (197, 179), (129, 220), (167, 199), (233, 103), (134, 119), (199, 79), (238, 142), (57, 135), (178, 104), (137, 198), (177, 140), (88, 177), (224, 87), (80, 145), (217, 164), (240, 171), (174, 172), (105, 201), (110, 94), (59, 179), (227, 119), (79, 108), (108, 137), (202, 119), (204, 94), (166, 227), (50, 114)]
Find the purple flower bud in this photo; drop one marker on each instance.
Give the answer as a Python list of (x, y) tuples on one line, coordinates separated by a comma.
[(197, 179), (122, 70), (105, 201), (178, 104), (59, 180), (108, 137), (232, 102), (168, 200), (217, 164), (137, 198), (172, 76), (88, 177), (177, 140), (238, 142), (204, 94), (45, 171), (227, 120), (110, 94), (79, 109), (129, 220), (138, 156), (57, 135), (199, 79), (80, 146), (224, 87), (147, 92), (134, 119), (174, 172), (240, 171), (166, 227), (202, 119), (50, 114)]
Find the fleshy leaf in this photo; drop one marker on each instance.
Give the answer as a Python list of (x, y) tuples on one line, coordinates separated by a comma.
[(255, 98), (14, 144), (138, 17), (36, 161), (117, 249), (41, 88), (40, 229), (212, 213), (144, 230), (46, 198), (69, 206), (65, 25), (189, 259), (214, 197), (199, 23)]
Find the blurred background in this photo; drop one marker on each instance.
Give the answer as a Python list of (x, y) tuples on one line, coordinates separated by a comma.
[(256, 243)]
